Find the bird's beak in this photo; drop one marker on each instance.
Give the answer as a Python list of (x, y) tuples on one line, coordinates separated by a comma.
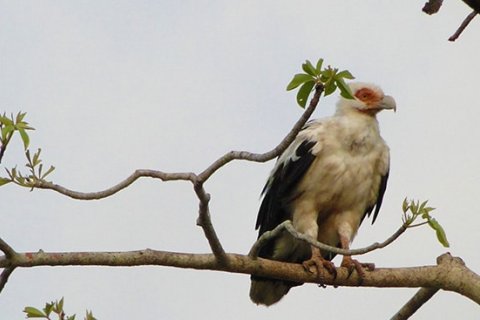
[(388, 103)]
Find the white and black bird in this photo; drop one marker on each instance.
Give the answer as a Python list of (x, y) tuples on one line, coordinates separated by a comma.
[(332, 176)]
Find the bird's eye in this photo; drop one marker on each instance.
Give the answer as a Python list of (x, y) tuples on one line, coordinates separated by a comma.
[(363, 94)]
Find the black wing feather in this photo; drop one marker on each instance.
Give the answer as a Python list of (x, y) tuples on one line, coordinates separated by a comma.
[(378, 204), (279, 191)]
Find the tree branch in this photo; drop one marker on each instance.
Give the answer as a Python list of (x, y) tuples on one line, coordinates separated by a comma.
[(432, 6), (275, 152), (449, 274), (422, 296), (5, 247), (287, 225), (188, 176), (474, 4), (205, 223), (4, 276), (3, 148), (462, 27), (204, 219)]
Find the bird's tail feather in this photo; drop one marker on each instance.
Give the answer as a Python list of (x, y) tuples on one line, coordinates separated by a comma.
[(269, 291)]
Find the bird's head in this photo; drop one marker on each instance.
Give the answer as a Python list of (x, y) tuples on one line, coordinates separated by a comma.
[(369, 99)]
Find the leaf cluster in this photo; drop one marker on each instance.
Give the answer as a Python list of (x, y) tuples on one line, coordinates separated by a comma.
[(35, 166), (330, 78), (414, 209), (8, 126), (53, 308)]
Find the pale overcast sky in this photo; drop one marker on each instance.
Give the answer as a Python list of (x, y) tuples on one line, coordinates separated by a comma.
[(112, 86)]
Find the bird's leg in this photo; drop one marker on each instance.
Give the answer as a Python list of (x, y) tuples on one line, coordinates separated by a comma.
[(320, 263), (352, 264)]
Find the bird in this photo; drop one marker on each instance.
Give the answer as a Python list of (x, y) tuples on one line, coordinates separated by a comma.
[(327, 181)]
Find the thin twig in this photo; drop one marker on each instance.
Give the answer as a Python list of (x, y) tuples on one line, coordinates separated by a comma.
[(288, 226), (2, 151), (275, 152), (474, 4), (164, 176), (462, 27), (189, 176), (412, 305), (4, 276), (417, 224), (5, 247), (205, 222)]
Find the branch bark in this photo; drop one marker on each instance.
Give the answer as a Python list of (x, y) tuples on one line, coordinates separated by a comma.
[(288, 226), (449, 274), (422, 296), (462, 27), (164, 176)]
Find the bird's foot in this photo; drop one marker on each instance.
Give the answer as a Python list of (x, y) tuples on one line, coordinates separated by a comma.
[(352, 264), (320, 264)]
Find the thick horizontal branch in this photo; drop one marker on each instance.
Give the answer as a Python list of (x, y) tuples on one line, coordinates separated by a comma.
[(287, 225), (450, 274), (164, 176)]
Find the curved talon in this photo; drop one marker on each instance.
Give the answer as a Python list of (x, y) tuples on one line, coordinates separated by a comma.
[(352, 264), (320, 263)]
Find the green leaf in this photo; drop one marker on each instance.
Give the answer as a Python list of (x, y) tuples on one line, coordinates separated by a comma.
[(8, 129), (6, 121), (428, 209), (304, 92), (344, 88), (14, 172), (48, 308), (309, 68), (71, 317), (414, 207), (90, 316), (345, 74), (327, 74), (298, 79), (20, 117), (4, 181), (25, 138), (405, 205), (48, 172), (34, 313), (36, 157), (424, 203), (319, 66), (59, 305), (441, 235), (330, 88)]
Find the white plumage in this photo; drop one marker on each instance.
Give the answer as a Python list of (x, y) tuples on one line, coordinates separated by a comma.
[(332, 175)]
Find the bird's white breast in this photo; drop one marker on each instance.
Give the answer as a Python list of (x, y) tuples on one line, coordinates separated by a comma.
[(344, 178)]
